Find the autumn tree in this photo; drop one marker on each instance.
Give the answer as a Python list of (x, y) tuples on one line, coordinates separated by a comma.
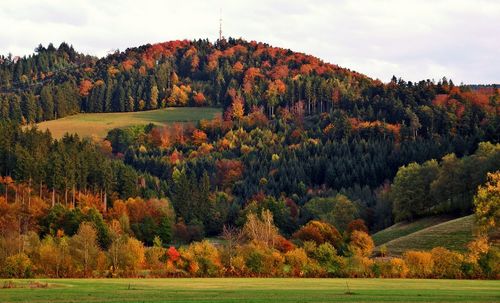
[(319, 232), (261, 228), (487, 203), (361, 244), (84, 248)]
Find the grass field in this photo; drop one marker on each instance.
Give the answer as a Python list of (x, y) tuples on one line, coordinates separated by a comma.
[(254, 290), (453, 234), (402, 229), (98, 124)]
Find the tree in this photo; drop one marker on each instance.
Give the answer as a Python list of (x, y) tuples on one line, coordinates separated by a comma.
[(47, 103), (487, 203), (319, 232), (411, 190), (153, 102), (199, 99), (203, 259), (126, 254), (361, 244), (338, 210), (84, 248), (261, 228), (199, 137), (237, 110)]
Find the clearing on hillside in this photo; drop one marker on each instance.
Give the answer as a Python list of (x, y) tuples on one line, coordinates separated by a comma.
[(251, 290), (453, 234), (98, 124)]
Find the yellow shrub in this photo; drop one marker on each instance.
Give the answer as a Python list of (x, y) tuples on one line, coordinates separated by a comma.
[(393, 268), (447, 264), (420, 263)]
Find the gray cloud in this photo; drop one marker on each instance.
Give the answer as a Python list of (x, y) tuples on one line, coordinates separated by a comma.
[(408, 38)]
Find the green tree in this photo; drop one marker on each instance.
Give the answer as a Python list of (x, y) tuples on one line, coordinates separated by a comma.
[(411, 190)]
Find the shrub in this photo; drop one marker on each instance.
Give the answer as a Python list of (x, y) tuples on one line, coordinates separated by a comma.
[(330, 262), (359, 267), (392, 268), (299, 263), (18, 266), (447, 264), (490, 263), (203, 259), (420, 263)]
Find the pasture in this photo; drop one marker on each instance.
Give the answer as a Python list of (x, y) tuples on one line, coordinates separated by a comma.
[(249, 290), (402, 229), (98, 124), (453, 234)]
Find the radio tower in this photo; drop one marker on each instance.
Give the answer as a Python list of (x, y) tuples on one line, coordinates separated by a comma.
[(220, 26)]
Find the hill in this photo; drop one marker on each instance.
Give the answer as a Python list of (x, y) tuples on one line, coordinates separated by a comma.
[(57, 82), (453, 234), (294, 128), (98, 124), (402, 229)]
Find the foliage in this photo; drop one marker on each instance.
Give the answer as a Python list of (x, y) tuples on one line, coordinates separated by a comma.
[(487, 203)]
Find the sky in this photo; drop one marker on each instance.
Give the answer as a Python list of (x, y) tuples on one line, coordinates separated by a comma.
[(412, 39)]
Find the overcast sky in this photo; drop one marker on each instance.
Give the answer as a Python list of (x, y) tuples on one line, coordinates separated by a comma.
[(411, 39)]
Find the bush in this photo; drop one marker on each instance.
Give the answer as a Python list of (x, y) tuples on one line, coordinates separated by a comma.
[(447, 264), (330, 263), (392, 268), (18, 266), (202, 259), (420, 263), (359, 267), (299, 263), (490, 263)]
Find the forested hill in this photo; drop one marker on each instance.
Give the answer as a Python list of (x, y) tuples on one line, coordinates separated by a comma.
[(298, 135), (56, 82)]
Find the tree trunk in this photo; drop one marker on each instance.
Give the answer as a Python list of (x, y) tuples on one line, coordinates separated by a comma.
[(29, 195), (105, 202), (73, 196)]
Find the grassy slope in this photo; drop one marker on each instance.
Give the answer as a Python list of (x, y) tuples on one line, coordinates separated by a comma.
[(98, 124), (453, 234), (256, 290), (402, 229)]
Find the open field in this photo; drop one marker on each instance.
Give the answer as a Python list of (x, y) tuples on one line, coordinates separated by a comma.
[(402, 229), (98, 124), (453, 234), (254, 290)]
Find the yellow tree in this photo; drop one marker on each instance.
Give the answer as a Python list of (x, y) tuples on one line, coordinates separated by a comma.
[(487, 203), (237, 110), (84, 247), (261, 228), (361, 244)]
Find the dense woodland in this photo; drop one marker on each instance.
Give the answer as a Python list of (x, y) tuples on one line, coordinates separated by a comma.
[(306, 154)]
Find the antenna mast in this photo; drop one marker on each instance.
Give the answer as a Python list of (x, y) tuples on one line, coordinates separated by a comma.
[(220, 25)]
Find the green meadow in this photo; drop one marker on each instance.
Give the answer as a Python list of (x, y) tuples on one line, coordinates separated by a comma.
[(98, 124), (248, 290)]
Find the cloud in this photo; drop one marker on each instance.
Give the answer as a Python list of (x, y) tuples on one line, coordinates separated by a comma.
[(411, 39)]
